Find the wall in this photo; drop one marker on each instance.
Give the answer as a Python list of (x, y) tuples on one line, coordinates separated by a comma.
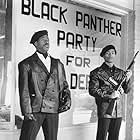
[(136, 114), (123, 3)]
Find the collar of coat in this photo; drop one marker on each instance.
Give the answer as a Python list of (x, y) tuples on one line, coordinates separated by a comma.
[(107, 68), (38, 61)]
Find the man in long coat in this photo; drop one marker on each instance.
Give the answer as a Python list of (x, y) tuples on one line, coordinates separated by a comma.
[(41, 79)]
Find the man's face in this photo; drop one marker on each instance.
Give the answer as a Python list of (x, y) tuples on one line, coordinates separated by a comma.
[(109, 56), (42, 45)]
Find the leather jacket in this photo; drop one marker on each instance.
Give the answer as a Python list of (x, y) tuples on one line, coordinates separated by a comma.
[(98, 86), (38, 89)]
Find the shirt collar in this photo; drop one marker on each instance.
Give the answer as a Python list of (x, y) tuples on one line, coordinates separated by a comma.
[(41, 55)]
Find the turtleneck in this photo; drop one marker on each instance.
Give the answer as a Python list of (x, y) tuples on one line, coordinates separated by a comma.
[(110, 65), (110, 68)]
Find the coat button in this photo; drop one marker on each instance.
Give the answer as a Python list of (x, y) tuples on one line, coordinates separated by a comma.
[(33, 95), (51, 99)]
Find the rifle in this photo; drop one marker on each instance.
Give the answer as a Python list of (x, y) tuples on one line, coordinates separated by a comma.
[(112, 103)]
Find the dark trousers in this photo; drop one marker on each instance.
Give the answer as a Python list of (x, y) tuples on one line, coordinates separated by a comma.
[(49, 123), (110, 127)]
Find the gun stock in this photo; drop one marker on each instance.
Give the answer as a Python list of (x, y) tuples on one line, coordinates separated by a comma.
[(112, 104)]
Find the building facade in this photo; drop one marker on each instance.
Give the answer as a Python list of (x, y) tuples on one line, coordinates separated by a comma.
[(78, 30)]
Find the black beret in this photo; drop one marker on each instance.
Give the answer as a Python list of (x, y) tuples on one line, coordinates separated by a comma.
[(106, 48), (37, 35)]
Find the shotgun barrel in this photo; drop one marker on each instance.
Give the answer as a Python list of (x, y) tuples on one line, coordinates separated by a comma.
[(112, 103)]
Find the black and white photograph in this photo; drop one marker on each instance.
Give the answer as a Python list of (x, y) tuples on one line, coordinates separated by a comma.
[(69, 69)]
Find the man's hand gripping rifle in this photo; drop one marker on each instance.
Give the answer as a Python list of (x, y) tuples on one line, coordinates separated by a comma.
[(112, 104)]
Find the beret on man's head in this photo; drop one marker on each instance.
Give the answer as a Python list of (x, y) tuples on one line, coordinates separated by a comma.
[(106, 48), (37, 35)]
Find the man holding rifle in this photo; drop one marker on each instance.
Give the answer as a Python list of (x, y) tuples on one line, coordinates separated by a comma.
[(103, 84)]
